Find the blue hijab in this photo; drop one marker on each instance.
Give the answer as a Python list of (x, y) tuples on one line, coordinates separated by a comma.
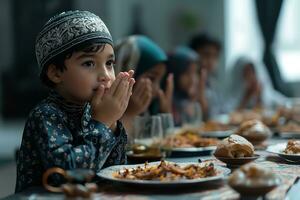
[(179, 62), (141, 54)]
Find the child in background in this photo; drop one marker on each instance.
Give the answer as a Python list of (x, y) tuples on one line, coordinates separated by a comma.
[(148, 60), (77, 125), (245, 85), (209, 49), (183, 64)]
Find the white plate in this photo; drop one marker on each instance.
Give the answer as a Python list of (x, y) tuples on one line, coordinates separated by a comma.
[(279, 148), (107, 174)]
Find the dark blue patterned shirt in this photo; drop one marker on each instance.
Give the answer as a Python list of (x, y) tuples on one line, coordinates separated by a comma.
[(62, 134)]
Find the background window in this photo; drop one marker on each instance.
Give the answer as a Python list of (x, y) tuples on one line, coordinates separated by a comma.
[(287, 41)]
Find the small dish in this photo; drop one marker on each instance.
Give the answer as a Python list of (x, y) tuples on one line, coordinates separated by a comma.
[(253, 180), (258, 190), (279, 150), (237, 162)]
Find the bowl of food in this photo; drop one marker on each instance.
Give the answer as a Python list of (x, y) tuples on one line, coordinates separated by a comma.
[(254, 131), (235, 151), (290, 130), (253, 180), (289, 151), (238, 117), (188, 143)]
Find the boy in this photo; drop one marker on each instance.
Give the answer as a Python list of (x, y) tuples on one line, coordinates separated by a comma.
[(209, 50), (77, 125)]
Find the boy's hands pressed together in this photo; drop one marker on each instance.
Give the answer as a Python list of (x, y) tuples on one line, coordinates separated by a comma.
[(108, 107)]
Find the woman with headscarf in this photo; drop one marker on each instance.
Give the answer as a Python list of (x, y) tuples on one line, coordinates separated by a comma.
[(250, 87), (149, 62), (183, 64)]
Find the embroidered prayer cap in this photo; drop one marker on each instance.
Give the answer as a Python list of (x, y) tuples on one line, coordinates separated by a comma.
[(66, 30)]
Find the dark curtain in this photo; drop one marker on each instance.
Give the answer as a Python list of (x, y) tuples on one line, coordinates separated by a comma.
[(20, 83), (268, 13)]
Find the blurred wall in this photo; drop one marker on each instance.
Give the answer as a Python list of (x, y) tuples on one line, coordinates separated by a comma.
[(164, 20), (6, 39)]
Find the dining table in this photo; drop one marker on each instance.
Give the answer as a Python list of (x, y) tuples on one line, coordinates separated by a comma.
[(288, 172)]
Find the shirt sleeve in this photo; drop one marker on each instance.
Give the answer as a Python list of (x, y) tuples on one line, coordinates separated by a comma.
[(118, 154), (59, 147)]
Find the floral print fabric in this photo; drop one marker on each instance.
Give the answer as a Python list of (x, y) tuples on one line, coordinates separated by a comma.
[(58, 133)]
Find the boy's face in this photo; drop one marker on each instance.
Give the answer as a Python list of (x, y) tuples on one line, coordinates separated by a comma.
[(155, 74), (85, 72), (209, 55)]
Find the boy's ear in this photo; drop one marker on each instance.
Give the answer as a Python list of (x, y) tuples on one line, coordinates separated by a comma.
[(54, 74)]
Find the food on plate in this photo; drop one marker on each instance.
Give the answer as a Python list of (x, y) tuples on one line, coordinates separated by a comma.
[(290, 114), (214, 126), (292, 147), (290, 127), (188, 139), (234, 146), (167, 171), (236, 118), (254, 130)]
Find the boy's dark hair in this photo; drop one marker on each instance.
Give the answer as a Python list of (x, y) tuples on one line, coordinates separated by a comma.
[(202, 40), (59, 61)]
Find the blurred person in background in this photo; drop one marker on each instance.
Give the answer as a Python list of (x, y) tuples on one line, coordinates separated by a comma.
[(183, 63), (208, 50), (141, 54), (250, 87)]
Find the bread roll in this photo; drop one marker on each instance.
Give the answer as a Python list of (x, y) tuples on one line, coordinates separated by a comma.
[(234, 146)]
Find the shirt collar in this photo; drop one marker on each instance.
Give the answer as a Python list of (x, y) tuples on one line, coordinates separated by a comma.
[(65, 105)]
